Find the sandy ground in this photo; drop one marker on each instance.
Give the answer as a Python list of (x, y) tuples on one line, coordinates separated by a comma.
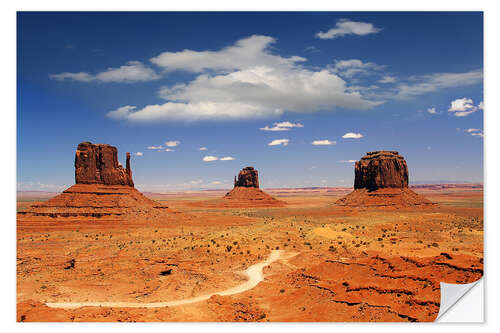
[(335, 263)]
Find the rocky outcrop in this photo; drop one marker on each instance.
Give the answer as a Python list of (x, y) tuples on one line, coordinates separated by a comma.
[(248, 177), (98, 164), (104, 191), (245, 194), (381, 169), (381, 180)]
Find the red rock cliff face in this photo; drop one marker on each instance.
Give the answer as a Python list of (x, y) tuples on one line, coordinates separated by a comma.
[(381, 169), (98, 164), (248, 177)]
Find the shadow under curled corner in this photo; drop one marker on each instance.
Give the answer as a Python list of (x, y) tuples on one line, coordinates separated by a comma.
[(462, 302)]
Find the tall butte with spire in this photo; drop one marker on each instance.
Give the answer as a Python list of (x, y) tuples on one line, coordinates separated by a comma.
[(103, 190), (381, 180)]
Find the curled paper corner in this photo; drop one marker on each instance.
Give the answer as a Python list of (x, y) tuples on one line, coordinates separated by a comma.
[(452, 295)]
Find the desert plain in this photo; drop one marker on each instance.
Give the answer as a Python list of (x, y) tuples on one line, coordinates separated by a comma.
[(318, 261)]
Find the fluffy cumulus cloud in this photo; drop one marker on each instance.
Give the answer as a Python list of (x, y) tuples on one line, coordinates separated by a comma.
[(352, 135), (169, 149), (132, 71), (242, 81), (210, 158), (432, 110), (155, 147), (347, 27), (463, 107), (282, 126), (227, 158), (278, 142), (323, 143), (248, 80), (139, 153), (172, 143), (203, 148), (246, 53)]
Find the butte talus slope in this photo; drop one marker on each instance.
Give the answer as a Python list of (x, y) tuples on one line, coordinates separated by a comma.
[(103, 189), (381, 180)]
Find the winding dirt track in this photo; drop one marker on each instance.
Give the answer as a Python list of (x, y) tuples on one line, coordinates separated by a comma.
[(253, 273)]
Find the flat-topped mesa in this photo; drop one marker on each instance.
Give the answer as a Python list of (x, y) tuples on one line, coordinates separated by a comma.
[(381, 169), (98, 164), (381, 180), (248, 177)]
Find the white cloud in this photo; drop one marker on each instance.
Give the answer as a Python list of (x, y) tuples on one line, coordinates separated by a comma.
[(245, 81), (323, 143), (133, 71), (203, 148), (423, 84), (172, 143), (169, 149), (481, 105), (155, 147), (278, 142), (121, 112), (282, 126), (387, 79), (246, 53), (352, 135), (347, 161), (139, 153), (351, 67), (227, 158), (462, 107), (432, 110), (475, 132), (210, 158), (347, 27)]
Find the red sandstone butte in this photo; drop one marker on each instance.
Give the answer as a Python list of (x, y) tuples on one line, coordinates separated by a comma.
[(248, 177), (98, 164), (245, 194), (381, 169), (381, 180), (103, 190)]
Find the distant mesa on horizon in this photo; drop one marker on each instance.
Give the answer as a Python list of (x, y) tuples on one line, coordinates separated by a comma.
[(381, 180)]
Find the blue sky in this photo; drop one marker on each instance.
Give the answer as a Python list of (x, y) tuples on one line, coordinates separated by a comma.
[(297, 95)]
